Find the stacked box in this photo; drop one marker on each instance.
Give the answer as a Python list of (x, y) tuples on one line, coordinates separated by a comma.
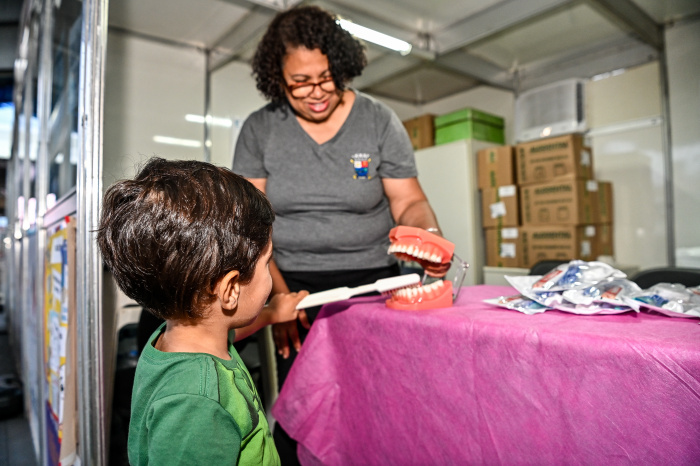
[(604, 243), (557, 242), (545, 160), (566, 202), (605, 228), (499, 207), (563, 213), (421, 131), (469, 123), (504, 247), (496, 167), (605, 204)]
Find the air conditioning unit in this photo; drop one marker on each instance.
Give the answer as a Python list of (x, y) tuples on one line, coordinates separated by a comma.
[(550, 110)]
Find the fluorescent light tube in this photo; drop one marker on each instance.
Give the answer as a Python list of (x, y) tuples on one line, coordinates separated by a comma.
[(370, 35), (176, 141), (215, 121)]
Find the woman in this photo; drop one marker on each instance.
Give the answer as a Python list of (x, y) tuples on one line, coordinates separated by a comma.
[(336, 164)]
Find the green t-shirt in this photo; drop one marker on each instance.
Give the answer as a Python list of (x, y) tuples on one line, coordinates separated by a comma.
[(195, 408)]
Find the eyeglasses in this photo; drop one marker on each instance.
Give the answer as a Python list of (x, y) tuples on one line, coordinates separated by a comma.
[(300, 91)]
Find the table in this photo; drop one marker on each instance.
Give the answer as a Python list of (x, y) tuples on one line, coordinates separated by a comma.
[(476, 384)]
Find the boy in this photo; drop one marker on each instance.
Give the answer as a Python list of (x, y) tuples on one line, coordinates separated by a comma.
[(191, 243)]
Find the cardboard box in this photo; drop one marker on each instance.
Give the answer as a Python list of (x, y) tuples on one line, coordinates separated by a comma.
[(469, 123), (604, 240), (503, 247), (605, 202), (496, 167), (545, 160), (500, 207), (557, 242), (421, 131), (570, 202)]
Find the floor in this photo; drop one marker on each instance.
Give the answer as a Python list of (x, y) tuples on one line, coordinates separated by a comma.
[(16, 447)]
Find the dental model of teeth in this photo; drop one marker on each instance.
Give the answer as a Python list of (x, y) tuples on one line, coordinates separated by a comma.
[(435, 295), (416, 244), (414, 252), (411, 243)]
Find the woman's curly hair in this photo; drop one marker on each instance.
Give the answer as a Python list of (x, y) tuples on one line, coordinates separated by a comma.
[(313, 28)]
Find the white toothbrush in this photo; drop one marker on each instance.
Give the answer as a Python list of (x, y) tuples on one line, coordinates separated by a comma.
[(383, 285)]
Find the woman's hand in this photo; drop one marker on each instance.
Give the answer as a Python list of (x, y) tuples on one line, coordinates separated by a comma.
[(286, 331), (435, 270), (410, 207)]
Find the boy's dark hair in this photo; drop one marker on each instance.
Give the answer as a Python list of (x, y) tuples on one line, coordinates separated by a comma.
[(178, 227), (313, 28)]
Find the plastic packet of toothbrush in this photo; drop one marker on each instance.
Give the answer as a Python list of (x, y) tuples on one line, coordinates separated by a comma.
[(671, 299), (518, 303), (576, 274), (610, 296), (614, 292), (524, 285), (595, 308), (557, 299)]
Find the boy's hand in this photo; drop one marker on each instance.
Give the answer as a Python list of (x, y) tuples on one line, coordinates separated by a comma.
[(286, 330), (282, 306)]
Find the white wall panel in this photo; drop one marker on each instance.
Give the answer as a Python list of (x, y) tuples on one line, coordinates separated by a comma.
[(149, 88), (683, 57), (632, 95), (627, 146), (633, 161)]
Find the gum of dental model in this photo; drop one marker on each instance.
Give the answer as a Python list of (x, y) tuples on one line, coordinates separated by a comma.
[(416, 244), (433, 296)]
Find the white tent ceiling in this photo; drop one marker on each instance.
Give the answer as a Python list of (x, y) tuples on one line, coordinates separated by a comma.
[(457, 44)]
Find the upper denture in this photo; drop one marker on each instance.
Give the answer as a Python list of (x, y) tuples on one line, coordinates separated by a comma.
[(418, 243)]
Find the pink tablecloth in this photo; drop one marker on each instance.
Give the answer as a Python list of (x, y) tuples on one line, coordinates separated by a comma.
[(476, 384)]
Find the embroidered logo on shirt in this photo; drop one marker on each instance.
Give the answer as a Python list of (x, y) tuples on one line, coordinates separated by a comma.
[(361, 164)]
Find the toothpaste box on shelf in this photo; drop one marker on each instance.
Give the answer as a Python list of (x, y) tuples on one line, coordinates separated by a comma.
[(549, 159), (504, 247), (500, 207), (421, 131), (565, 202), (557, 242), (496, 166)]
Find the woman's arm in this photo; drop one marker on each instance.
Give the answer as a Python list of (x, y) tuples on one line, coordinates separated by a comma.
[(408, 203), (409, 206)]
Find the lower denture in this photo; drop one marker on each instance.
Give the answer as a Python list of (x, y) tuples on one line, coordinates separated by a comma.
[(433, 297)]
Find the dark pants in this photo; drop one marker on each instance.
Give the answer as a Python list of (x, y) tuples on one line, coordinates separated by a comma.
[(314, 282)]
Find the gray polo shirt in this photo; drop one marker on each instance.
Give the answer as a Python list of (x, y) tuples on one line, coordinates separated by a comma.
[(332, 213)]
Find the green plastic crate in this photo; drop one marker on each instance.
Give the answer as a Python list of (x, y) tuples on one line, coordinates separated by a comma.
[(469, 123)]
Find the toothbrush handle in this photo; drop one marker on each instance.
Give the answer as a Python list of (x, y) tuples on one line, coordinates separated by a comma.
[(364, 289), (325, 297), (336, 294)]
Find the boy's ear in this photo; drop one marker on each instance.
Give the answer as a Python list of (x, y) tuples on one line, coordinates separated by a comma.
[(229, 289)]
